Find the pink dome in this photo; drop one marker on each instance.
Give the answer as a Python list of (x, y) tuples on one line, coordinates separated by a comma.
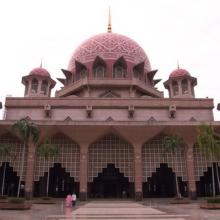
[(109, 46), (179, 72), (39, 71)]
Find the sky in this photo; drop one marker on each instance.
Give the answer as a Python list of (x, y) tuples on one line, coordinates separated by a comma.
[(170, 31)]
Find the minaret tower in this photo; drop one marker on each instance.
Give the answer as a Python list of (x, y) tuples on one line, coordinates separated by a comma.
[(181, 84), (38, 83)]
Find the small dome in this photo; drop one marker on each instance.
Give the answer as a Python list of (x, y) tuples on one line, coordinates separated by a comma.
[(109, 46), (179, 72), (39, 71)]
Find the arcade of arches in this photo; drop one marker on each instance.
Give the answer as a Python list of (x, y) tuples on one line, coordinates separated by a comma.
[(108, 170)]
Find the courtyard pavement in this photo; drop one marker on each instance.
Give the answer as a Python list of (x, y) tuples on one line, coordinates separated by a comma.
[(151, 209)]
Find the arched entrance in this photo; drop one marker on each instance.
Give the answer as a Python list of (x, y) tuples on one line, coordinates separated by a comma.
[(110, 168), (203, 173), (60, 183), (205, 184), (110, 184), (10, 181), (64, 169), (161, 184), (12, 163), (160, 169)]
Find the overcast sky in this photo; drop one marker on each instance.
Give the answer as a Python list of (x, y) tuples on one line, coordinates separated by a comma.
[(168, 30)]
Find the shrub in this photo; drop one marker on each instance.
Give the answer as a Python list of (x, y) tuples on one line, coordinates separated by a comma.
[(16, 200), (213, 200)]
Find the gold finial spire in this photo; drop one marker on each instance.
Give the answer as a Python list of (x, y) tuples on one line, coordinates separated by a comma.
[(41, 63), (109, 21)]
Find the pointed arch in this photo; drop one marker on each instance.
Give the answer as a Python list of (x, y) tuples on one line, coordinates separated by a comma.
[(120, 68), (99, 68), (111, 149), (81, 71), (14, 159), (154, 154), (138, 70), (68, 156)]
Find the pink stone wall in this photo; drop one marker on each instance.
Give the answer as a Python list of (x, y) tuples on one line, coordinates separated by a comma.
[(117, 114)]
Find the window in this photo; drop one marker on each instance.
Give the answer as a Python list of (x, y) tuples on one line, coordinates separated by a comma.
[(81, 74), (138, 71), (137, 74), (175, 88), (44, 87), (34, 86), (99, 71), (99, 68), (119, 72), (184, 86), (119, 68)]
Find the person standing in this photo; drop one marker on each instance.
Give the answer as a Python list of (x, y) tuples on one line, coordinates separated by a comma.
[(73, 199), (68, 200)]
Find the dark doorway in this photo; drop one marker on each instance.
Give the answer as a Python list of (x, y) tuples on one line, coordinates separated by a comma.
[(162, 184), (111, 184), (11, 180), (204, 187), (60, 183)]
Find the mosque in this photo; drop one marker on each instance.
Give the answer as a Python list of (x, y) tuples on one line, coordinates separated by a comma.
[(109, 121)]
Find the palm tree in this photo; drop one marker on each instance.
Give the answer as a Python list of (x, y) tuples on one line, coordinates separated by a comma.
[(5, 150), (28, 133), (209, 143), (47, 150), (172, 144)]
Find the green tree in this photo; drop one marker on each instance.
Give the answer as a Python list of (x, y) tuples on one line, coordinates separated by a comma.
[(47, 150), (209, 143), (173, 144), (28, 132), (5, 150)]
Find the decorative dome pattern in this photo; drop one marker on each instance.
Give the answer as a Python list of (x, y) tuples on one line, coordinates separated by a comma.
[(179, 72), (39, 71), (109, 46)]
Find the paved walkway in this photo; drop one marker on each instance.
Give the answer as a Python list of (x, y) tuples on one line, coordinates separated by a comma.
[(150, 209), (123, 210)]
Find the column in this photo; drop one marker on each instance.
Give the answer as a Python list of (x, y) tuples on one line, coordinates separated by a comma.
[(180, 87), (29, 87), (171, 90), (138, 172), (29, 178), (189, 87), (83, 171), (190, 171), (39, 87)]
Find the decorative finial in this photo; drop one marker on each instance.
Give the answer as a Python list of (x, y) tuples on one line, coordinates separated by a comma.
[(41, 63), (109, 21), (178, 65)]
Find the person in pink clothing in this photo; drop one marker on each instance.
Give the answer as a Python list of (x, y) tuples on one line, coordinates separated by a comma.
[(69, 200)]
